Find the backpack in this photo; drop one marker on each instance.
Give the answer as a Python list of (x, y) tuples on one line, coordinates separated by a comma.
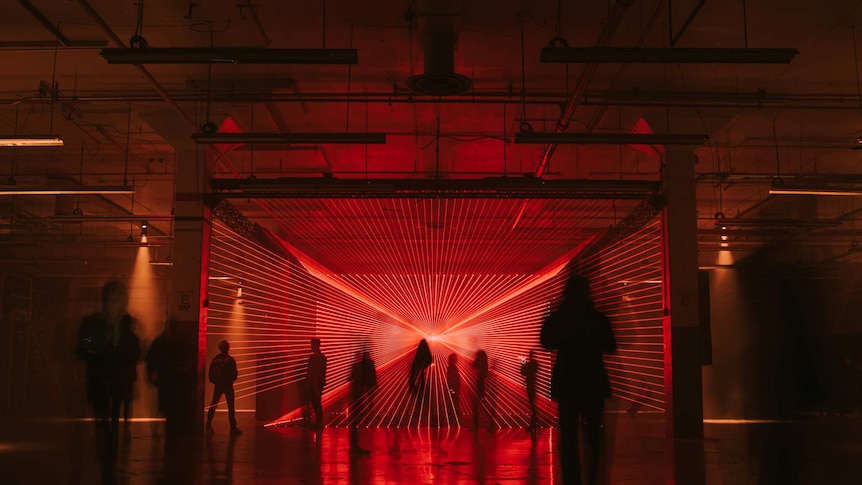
[(216, 374)]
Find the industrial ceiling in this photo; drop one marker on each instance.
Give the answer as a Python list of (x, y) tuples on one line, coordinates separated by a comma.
[(452, 85)]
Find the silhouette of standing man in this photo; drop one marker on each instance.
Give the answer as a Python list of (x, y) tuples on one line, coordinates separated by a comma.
[(315, 381), (222, 374), (363, 382), (580, 334), (530, 369)]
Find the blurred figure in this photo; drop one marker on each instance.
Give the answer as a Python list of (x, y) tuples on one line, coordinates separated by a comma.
[(453, 381), (579, 383), (110, 351), (363, 382), (315, 381), (131, 377), (530, 370), (421, 363), (158, 372), (480, 363), (222, 374)]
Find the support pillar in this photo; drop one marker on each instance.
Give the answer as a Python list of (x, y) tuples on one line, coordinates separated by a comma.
[(187, 327), (682, 343)]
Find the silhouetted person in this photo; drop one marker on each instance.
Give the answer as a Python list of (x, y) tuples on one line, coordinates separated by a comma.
[(363, 382), (131, 376), (421, 362), (158, 371), (530, 371), (579, 383), (453, 382), (222, 374), (480, 363), (110, 351), (315, 381)]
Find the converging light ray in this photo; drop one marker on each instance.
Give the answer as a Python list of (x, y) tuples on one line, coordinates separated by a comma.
[(626, 282), (378, 275)]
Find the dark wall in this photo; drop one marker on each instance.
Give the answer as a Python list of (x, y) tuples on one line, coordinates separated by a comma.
[(785, 337), (36, 376)]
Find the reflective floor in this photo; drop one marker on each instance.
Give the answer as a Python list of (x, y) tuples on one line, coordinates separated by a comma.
[(816, 450)]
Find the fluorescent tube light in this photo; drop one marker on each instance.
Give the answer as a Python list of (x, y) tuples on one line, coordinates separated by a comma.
[(673, 55), (30, 141), (228, 55), (610, 139), (801, 191), (290, 138), (94, 189)]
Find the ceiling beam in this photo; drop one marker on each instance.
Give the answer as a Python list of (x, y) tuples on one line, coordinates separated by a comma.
[(55, 31), (504, 187)]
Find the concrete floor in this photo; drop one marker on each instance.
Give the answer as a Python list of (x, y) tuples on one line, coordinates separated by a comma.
[(815, 450)]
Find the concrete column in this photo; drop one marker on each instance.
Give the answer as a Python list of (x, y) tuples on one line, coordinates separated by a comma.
[(682, 343), (188, 324)]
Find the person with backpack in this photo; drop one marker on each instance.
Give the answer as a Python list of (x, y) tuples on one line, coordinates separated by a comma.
[(222, 374)]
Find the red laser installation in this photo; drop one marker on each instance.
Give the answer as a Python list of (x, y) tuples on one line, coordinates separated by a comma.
[(379, 275)]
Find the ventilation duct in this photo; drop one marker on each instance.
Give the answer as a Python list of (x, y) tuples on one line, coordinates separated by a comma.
[(438, 23)]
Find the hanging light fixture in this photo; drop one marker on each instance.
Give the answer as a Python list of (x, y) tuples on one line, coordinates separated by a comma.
[(31, 141)]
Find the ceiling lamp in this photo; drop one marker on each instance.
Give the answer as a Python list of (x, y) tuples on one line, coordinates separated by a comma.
[(724, 223), (228, 55), (290, 138), (93, 189), (609, 139), (670, 55), (30, 141), (813, 191)]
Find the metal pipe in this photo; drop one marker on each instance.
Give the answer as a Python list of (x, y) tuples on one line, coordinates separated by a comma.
[(674, 38), (760, 100), (389, 98), (800, 107), (608, 31), (599, 116), (46, 23), (123, 218), (50, 45), (250, 6), (737, 177)]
